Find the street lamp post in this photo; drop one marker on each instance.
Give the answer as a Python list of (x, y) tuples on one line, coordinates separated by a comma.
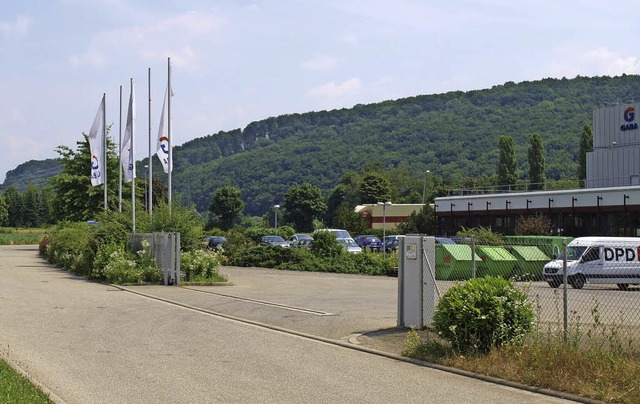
[(384, 226), (146, 186), (276, 207), (424, 185)]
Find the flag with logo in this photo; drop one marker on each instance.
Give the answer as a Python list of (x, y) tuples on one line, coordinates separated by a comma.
[(163, 135), (126, 150), (96, 147)]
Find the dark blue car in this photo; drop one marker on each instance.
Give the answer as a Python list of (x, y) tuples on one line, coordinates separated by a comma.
[(369, 242)]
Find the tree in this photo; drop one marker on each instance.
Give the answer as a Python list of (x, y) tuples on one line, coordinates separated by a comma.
[(374, 187), (507, 168), (537, 176), (586, 146), (302, 204), (74, 197), (14, 206), (227, 205), (422, 222), (4, 212), (31, 206), (348, 219)]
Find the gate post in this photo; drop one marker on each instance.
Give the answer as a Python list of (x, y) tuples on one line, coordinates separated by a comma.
[(410, 282), (416, 281), (429, 287)]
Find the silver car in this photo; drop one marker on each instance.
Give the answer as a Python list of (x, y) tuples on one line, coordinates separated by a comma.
[(350, 245)]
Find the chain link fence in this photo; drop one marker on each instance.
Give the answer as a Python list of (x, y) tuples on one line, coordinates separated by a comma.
[(588, 283)]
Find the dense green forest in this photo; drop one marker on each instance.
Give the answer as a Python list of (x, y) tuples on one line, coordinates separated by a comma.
[(453, 135), (33, 171)]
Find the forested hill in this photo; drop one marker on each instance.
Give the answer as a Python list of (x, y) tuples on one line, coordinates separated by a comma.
[(33, 171), (454, 135)]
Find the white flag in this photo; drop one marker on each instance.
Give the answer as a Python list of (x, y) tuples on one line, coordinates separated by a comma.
[(163, 138), (96, 147), (126, 150)]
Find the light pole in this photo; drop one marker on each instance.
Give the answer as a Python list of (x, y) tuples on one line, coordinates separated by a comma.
[(424, 185), (276, 207), (146, 186), (384, 226)]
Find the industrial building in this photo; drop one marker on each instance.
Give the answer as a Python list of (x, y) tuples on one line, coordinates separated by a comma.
[(609, 205)]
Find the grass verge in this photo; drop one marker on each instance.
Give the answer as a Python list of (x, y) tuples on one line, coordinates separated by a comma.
[(14, 388), (11, 236), (592, 367)]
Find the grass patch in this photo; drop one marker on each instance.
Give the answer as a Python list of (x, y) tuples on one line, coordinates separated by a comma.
[(16, 236), (591, 364), (14, 388)]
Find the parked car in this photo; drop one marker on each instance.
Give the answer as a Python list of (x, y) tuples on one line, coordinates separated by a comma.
[(339, 233), (369, 242), (392, 243), (444, 240), (214, 242), (302, 243), (350, 245), (274, 240), (298, 237)]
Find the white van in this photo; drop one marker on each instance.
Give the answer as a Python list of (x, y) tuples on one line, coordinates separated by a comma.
[(597, 260)]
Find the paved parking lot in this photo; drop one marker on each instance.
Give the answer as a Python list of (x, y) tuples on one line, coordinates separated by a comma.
[(90, 342)]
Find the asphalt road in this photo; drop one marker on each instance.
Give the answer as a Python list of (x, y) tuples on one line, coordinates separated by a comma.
[(87, 342)]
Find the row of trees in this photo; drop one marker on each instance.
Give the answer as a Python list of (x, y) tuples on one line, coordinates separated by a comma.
[(71, 197), (508, 166), (31, 208)]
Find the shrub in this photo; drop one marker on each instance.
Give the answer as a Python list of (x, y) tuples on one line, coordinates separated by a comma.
[(483, 313), (201, 266), (67, 246), (483, 235), (538, 225), (263, 256), (326, 245)]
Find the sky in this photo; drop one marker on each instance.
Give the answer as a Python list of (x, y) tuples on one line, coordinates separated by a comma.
[(238, 61)]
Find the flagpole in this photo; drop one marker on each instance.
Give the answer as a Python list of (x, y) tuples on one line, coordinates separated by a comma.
[(133, 175), (120, 155), (150, 176), (104, 139), (169, 126)]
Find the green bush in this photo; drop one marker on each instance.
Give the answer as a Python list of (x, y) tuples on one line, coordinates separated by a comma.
[(67, 247), (325, 245), (483, 313), (483, 235), (263, 256), (201, 266), (256, 233)]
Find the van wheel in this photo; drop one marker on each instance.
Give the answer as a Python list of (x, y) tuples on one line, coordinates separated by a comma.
[(623, 286), (577, 281), (554, 284)]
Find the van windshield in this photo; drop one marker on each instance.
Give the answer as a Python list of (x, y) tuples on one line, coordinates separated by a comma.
[(573, 253)]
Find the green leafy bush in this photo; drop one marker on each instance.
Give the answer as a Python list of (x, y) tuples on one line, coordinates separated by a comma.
[(201, 266), (67, 246), (483, 313), (263, 256), (326, 245), (483, 235)]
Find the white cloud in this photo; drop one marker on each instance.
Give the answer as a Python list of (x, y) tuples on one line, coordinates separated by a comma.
[(18, 27), (595, 62), (332, 90), (610, 63), (177, 36), (319, 62)]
